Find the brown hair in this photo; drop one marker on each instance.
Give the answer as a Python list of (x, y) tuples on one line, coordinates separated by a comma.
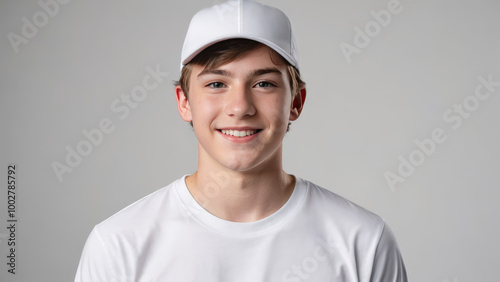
[(227, 51)]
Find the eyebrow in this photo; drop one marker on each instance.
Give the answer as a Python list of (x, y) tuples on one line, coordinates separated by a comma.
[(215, 71), (257, 72), (265, 71)]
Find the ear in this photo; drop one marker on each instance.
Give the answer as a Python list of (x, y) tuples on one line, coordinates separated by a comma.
[(183, 104), (297, 104)]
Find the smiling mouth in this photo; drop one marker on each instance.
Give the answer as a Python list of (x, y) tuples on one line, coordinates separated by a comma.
[(239, 133)]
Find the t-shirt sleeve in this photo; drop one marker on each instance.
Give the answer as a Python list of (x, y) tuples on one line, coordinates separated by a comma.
[(95, 261), (388, 265)]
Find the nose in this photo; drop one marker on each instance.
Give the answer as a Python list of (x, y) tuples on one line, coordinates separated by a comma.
[(239, 102)]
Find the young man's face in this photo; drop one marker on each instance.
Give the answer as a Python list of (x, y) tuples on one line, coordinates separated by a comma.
[(240, 110)]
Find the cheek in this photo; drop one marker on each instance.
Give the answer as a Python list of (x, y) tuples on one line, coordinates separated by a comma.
[(203, 110), (278, 110), (199, 107)]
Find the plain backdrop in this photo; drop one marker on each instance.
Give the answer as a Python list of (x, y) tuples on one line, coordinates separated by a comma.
[(415, 74)]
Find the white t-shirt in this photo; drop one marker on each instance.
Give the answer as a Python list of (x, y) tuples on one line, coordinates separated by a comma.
[(316, 236)]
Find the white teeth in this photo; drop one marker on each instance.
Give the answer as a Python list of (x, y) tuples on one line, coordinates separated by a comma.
[(239, 133)]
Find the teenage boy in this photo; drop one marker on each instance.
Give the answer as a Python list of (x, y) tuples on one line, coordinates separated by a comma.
[(240, 217)]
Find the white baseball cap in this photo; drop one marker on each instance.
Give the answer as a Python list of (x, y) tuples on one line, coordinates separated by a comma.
[(240, 19)]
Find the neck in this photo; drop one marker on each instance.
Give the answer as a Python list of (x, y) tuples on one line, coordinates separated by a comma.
[(241, 196)]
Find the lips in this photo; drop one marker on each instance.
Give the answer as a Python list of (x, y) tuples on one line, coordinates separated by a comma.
[(239, 133)]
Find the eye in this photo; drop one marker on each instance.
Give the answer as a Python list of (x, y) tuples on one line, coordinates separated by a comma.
[(264, 84), (216, 85)]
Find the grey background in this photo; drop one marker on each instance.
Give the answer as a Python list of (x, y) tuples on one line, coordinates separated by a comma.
[(359, 118)]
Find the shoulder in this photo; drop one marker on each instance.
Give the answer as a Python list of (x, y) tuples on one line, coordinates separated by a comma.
[(116, 243), (336, 211), (143, 213), (354, 233)]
